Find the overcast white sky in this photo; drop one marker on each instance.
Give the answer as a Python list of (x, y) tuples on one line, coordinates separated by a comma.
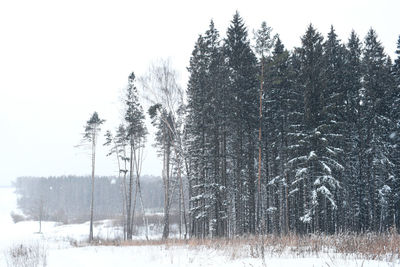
[(62, 60)]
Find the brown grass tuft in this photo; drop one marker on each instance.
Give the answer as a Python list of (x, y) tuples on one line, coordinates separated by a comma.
[(362, 246)]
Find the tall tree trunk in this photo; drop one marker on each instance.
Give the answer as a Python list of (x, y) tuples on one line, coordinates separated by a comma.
[(166, 191), (130, 189), (138, 162), (92, 193), (182, 197), (260, 146), (123, 186)]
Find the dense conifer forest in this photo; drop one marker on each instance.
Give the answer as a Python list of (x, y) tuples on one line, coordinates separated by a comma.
[(299, 141)]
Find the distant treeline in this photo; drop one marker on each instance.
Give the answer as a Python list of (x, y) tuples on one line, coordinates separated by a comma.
[(67, 198)]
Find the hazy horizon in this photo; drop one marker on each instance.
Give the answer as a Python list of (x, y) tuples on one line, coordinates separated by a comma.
[(61, 61)]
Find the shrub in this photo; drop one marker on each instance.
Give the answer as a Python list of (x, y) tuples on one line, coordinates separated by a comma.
[(17, 217)]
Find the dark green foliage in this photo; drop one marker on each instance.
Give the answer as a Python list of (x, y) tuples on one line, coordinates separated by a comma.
[(395, 134), (355, 208), (330, 130), (92, 126), (243, 123), (278, 107), (134, 116), (316, 159), (207, 130), (135, 134), (376, 126)]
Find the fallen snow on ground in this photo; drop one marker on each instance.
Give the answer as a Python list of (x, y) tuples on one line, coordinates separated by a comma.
[(57, 240), (184, 256)]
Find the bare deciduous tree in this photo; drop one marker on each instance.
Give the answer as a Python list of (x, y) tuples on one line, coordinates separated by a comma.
[(166, 97)]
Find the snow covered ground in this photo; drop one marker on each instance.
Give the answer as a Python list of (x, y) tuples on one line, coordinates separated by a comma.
[(56, 241)]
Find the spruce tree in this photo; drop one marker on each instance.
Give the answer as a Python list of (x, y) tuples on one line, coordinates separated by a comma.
[(335, 126), (243, 120), (278, 97), (207, 130), (328, 134), (216, 132), (376, 129), (395, 135), (354, 161), (195, 137), (317, 163)]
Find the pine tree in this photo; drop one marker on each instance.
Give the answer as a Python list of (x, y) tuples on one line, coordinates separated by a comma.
[(92, 129), (118, 145), (136, 135), (264, 44)]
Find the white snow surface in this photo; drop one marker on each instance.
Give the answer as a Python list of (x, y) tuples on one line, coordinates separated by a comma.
[(56, 239)]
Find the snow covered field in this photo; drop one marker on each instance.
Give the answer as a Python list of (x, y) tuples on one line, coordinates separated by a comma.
[(57, 243)]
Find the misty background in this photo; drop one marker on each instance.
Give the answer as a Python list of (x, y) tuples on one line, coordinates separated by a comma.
[(60, 61)]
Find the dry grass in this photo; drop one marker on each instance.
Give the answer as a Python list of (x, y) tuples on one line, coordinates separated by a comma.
[(361, 246), (26, 255)]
